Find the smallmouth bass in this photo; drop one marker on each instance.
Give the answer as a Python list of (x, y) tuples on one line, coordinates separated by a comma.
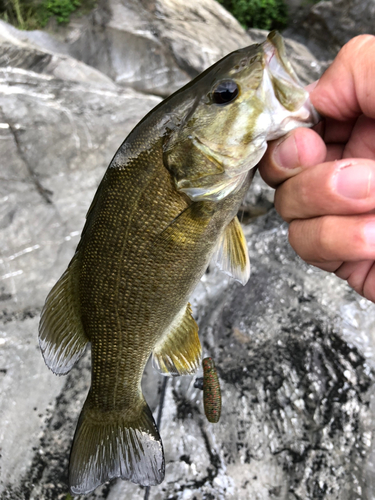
[(165, 208)]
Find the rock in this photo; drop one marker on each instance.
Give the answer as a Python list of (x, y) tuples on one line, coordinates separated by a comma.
[(292, 348), (155, 46), (327, 25), (297, 392), (18, 50), (297, 388), (36, 38), (58, 137)]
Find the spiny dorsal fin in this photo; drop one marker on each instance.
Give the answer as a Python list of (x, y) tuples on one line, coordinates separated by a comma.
[(107, 445), (179, 350), (61, 335), (231, 254)]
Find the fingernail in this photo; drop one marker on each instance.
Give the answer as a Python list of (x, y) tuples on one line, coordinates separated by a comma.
[(369, 232), (311, 86), (286, 153), (355, 181)]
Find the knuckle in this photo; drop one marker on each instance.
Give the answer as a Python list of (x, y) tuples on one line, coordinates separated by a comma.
[(358, 41), (279, 205), (311, 239), (355, 48), (292, 199), (294, 236), (304, 194), (356, 283), (325, 243)]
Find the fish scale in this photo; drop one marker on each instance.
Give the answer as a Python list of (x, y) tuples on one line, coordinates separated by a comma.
[(166, 206)]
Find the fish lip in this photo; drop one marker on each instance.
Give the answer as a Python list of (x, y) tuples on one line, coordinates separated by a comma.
[(274, 47)]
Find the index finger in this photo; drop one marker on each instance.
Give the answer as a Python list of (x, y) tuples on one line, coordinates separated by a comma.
[(346, 89)]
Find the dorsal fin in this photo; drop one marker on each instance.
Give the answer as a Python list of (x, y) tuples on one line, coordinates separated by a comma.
[(179, 350), (231, 254), (61, 335)]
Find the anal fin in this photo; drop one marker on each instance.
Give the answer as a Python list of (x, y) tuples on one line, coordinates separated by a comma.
[(179, 350), (231, 254), (61, 335)]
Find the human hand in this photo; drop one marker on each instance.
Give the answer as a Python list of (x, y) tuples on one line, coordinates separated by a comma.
[(325, 179)]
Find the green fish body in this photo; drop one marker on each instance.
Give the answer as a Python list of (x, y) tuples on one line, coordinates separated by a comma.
[(165, 208)]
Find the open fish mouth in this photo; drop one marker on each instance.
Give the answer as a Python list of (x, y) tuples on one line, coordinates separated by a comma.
[(287, 90), (276, 58)]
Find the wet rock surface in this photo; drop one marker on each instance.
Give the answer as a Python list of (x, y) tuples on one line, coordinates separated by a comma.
[(294, 349)]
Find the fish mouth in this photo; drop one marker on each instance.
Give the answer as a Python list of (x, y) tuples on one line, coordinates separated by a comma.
[(276, 58), (286, 86)]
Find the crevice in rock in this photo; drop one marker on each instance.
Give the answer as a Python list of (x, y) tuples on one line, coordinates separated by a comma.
[(44, 193), (27, 313)]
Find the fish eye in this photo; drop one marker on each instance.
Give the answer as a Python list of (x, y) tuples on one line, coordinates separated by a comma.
[(225, 92)]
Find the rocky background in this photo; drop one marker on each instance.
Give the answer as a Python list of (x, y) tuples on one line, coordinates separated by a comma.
[(294, 348)]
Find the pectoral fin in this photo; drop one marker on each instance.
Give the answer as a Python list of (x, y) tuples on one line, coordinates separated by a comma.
[(179, 350), (231, 254)]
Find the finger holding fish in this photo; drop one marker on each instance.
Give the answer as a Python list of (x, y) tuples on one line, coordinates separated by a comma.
[(298, 150), (329, 197), (341, 187), (303, 148)]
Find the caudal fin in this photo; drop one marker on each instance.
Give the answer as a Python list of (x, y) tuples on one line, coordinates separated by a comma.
[(107, 446)]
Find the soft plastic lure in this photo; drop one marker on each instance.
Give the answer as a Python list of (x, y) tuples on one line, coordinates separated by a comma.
[(211, 391)]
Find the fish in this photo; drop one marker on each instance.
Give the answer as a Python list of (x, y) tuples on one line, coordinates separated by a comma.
[(211, 391), (165, 208)]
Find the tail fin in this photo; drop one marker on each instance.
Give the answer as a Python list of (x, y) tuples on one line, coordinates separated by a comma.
[(107, 446)]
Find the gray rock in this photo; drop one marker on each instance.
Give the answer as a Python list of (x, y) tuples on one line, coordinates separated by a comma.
[(36, 38), (17, 50), (297, 393), (153, 45), (57, 138), (327, 25)]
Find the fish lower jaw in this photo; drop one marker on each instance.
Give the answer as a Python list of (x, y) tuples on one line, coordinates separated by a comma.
[(306, 116)]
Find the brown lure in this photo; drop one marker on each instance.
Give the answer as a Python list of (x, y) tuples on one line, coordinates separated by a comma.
[(211, 391)]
